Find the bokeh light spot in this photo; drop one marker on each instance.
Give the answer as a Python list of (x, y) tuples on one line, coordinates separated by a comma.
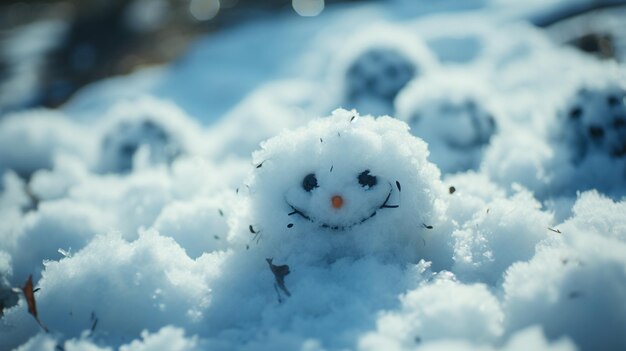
[(204, 10), (308, 7)]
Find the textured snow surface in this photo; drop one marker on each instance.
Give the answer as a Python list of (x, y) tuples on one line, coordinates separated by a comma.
[(459, 186)]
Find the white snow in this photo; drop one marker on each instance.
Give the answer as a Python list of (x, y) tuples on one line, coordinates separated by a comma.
[(30, 140), (228, 202), (453, 111), (574, 280)]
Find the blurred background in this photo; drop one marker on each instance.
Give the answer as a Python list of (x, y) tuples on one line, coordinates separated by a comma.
[(50, 49)]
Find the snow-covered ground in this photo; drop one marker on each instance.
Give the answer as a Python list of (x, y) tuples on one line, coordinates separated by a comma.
[(250, 196)]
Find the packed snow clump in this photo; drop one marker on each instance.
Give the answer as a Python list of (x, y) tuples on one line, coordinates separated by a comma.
[(376, 65), (453, 113), (30, 140), (594, 121), (578, 148), (443, 309), (147, 131), (347, 186), (262, 114), (575, 281), (326, 235), (198, 225), (161, 285), (169, 337), (500, 232)]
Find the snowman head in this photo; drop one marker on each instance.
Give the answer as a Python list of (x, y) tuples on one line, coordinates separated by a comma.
[(343, 185), (376, 64), (379, 72), (157, 127), (124, 140), (452, 111), (342, 200), (594, 121)]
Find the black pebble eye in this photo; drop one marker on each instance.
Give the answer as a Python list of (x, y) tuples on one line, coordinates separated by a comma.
[(612, 100), (596, 132), (575, 113), (309, 182), (366, 179)]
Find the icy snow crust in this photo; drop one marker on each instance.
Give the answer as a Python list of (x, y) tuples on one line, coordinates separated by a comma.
[(486, 213)]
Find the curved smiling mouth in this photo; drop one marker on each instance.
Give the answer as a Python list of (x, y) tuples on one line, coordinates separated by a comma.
[(304, 215)]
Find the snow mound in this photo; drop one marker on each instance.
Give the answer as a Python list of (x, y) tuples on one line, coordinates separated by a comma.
[(377, 64), (574, 280), (577, 145), (504, 231), (169, 338), (316, 185), (145, 130), (126, 286), (261, 115), (444, 309), (527, 339), (29, 140), (57, 227), (198, 225), (594, 121), (454, 113)]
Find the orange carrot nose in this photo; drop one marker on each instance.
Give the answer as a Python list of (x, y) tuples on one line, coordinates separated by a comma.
[(337, 201)]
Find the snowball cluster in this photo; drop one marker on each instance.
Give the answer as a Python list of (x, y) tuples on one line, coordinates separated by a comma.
[(454, 181)]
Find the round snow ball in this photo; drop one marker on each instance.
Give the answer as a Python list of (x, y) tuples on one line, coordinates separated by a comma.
[(594, 121), (308, 8), (124, 140), (346, 185), (379, 72), (451, 111)]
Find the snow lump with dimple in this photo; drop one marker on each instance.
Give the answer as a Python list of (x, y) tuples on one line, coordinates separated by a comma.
[(462, 221)]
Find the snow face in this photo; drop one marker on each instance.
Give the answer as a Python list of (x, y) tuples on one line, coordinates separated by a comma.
[(125, 140), (379, 72), (595, 121), (451, 111), (575, 142), (377, 65), (144, 129), (352, 185)]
